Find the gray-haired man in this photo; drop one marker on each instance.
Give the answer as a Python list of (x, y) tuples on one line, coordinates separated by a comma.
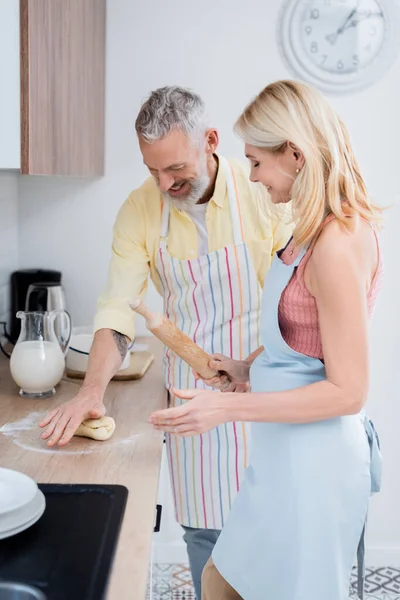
[(200, 229)]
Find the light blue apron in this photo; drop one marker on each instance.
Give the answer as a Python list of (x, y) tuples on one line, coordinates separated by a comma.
[(298, 521)]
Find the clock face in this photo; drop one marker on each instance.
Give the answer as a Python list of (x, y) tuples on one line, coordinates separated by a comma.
[(342, 36), (339, 45)]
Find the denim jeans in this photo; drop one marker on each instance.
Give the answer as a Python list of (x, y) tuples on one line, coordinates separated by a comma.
[(200, 544)]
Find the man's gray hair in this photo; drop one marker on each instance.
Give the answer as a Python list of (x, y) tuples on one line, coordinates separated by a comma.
[(169, 108)]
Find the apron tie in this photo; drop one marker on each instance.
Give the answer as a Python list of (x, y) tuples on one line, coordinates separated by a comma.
[(376, 473), (361, 565)]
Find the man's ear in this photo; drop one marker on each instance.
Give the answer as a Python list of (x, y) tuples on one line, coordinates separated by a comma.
[(212, 141)]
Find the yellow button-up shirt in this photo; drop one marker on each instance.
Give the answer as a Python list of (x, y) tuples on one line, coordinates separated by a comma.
[(137, 238)]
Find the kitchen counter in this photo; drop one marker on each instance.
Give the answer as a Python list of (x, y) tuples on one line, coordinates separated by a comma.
[(132, 458)]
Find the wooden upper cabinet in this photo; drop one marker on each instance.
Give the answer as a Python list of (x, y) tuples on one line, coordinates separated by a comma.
[(62, 70)]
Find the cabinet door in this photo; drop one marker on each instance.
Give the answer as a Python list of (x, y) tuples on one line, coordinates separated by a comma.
[(10, 153), (62, 86), (168, 544)]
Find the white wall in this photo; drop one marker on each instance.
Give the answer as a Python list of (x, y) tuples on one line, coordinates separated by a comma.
[(226, 51), (10, 146), (8, 239)]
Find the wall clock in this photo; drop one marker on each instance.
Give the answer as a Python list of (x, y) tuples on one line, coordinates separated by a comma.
[(339, 45)]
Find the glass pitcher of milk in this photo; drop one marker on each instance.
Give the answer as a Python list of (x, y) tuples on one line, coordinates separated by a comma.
[(38, 360)]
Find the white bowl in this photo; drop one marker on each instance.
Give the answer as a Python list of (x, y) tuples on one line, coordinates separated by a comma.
[(16, 491), (78, 353), (24, 515)]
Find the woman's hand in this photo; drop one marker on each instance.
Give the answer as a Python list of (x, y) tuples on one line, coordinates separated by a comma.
[(233, 375), (204, 411)]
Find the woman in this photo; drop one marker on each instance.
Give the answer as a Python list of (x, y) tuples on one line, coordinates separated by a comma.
[(296, 525)]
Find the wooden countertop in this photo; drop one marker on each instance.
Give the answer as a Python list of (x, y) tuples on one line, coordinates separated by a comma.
[(132, 458)]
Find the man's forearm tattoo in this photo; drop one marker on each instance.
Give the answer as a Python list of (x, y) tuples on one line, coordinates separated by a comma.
[(122, 343)]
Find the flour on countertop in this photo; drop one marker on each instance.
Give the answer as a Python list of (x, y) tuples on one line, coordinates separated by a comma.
[(26, 435), (24, 424)]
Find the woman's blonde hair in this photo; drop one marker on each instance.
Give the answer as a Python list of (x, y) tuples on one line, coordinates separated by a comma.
[(330, 181)]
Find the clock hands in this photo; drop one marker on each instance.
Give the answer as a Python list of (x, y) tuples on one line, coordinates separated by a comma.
[(365, 15), (334, 36), (352, 22)]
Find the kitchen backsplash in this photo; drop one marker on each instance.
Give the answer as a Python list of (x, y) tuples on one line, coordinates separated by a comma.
[(8, 238)]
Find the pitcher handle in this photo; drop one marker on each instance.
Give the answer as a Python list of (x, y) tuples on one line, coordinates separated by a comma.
[(64, 343)]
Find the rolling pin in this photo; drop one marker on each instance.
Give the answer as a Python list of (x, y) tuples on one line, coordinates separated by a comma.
[(175, 339)]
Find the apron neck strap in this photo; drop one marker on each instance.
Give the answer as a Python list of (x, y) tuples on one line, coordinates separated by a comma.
[(234, 203), (283, 273), (299, 257), (164, 224)]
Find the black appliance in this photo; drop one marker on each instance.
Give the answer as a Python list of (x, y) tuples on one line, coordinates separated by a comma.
[(20, 282), (68, 554)]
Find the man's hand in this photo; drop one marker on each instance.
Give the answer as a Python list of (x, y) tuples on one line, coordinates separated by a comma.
[(106, 354), (62, 422)]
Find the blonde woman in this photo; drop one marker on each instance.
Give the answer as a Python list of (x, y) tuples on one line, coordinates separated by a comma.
[(299, 517)]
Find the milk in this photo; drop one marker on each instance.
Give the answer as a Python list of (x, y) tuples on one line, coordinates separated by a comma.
[(37, 366)]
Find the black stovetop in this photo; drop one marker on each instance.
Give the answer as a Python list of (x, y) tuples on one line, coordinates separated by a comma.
[(68, 553)]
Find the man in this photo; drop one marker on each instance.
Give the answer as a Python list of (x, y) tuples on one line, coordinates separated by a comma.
[(201, 230)]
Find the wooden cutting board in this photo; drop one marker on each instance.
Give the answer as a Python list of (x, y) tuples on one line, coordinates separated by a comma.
[(140, 363)]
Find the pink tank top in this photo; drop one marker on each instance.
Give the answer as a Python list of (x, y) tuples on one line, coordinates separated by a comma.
[(298, 314)]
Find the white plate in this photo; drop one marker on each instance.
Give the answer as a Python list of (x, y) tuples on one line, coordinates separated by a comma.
[(23, 527), (16, 490), (26, 513)]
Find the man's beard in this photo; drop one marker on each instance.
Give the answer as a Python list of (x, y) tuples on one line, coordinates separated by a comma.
[(198, 188)]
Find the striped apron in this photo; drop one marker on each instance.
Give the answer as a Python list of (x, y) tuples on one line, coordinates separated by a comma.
[(215, 299)]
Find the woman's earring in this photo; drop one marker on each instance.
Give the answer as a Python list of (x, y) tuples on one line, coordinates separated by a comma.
[(297, 171)]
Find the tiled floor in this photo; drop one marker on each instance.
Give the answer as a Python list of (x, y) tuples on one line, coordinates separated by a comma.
[(383, 583), (172, 582)]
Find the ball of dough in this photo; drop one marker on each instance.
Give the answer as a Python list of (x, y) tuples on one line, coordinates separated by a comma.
[(96, 429)]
